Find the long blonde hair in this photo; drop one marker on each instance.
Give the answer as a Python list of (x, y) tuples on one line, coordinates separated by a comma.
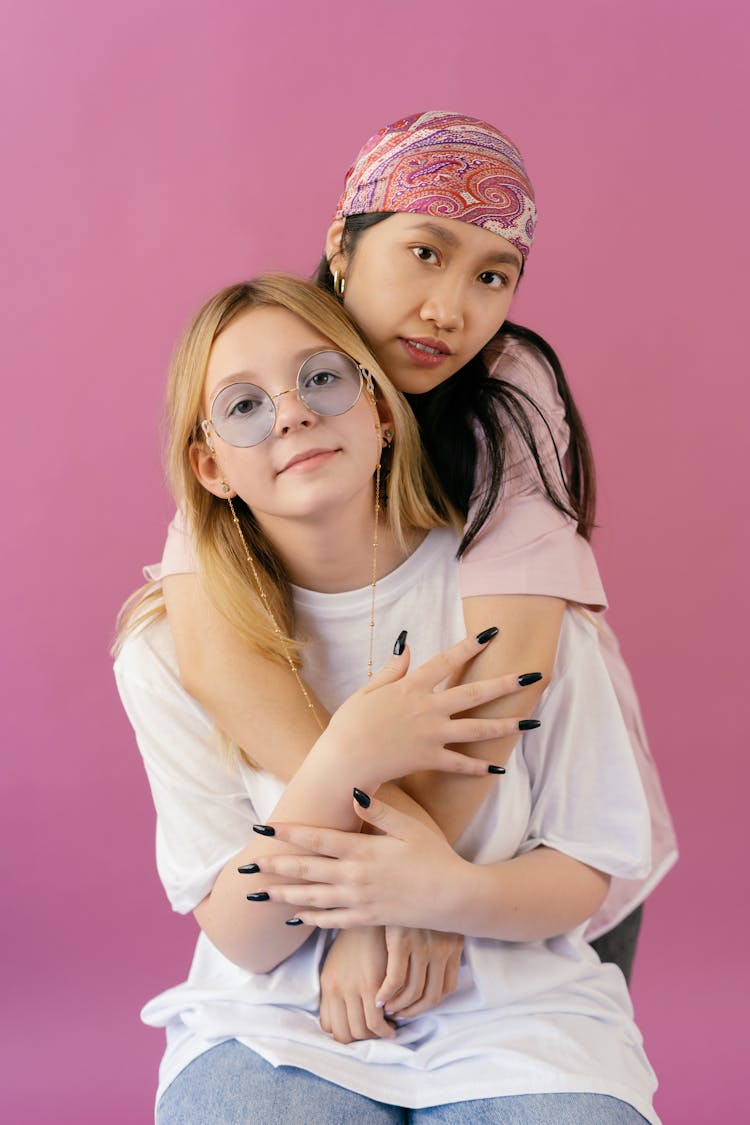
[(222, 564)]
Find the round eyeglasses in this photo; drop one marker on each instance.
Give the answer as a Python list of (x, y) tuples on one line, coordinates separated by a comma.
[(328, 383)]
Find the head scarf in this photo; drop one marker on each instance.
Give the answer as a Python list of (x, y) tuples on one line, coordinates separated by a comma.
[(448, 166)]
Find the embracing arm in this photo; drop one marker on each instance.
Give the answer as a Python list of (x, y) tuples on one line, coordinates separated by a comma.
[(258, 703), (529, 632), (394, 723), (411, 877), (253, 699)]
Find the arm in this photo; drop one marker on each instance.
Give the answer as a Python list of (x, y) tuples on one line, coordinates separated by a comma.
[(253, 699), (411, 877), (528, 641), (391, 725)]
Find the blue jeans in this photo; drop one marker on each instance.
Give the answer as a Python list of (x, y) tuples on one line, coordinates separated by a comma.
[(231, 1085)]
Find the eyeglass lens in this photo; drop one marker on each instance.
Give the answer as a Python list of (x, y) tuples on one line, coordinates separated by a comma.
[(328, 383)]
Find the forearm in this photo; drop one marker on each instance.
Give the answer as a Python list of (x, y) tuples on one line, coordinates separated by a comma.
[(528, 898), (253, 934)]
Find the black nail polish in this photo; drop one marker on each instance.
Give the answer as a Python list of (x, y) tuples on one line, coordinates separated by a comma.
[(258, 896), (400, 644), (264, 830), (487, 635), (529, 678), (249, 869), (495, 769), (361, 798), (529, 724), (293, 922)]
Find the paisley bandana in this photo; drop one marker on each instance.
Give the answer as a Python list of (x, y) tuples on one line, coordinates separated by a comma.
[(446, 165)]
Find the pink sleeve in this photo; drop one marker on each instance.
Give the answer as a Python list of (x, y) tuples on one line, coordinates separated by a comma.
[(179, 551), (527, 546)]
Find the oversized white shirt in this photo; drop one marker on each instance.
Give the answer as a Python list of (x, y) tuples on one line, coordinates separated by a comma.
[(533, 1017)]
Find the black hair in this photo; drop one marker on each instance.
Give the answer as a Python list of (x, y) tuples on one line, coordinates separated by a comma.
[(450, 415)]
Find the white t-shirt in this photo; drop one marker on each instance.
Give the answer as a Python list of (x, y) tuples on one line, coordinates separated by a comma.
[(526, 1018)]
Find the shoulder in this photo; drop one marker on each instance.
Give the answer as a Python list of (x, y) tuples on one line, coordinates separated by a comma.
[(523, 366)]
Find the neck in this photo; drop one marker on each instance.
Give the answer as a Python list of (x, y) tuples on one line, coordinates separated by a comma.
[(334, 553)]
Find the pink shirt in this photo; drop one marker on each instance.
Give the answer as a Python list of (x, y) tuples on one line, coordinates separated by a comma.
[(528, 547)]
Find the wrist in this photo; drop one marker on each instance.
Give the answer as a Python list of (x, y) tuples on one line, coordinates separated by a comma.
[(342, 757)]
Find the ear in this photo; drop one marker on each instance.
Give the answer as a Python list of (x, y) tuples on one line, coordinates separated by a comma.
[(385, 416), (333, 244), (208, 471)]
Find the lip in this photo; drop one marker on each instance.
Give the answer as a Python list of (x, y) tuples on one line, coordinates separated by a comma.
[(308, 460), (414, 345)]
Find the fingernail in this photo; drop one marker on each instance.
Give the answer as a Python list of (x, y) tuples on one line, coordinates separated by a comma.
[(293, 922), (361, 798), (258, 896), (487, 635), (380, 1003), (249, 869), (495, 769), (529, 678), (264, 830), (400, 644), (529, 724)]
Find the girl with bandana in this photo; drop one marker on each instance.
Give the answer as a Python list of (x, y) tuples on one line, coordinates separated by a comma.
[(430, 238), (300, 473)]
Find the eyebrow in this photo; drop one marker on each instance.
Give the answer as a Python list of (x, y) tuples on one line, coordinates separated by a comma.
[(448, 238), (248, 377)]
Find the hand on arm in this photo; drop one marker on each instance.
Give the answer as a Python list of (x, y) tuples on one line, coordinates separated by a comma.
[(411, 877), (529, 632), (394, 724)]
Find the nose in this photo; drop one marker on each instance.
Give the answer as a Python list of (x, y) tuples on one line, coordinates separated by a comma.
[(291, 413), (444, 304)]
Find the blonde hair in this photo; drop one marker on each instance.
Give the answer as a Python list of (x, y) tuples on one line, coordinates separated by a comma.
[(222, 565)]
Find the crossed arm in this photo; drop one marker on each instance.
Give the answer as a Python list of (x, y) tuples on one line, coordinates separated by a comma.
[(259, 705)]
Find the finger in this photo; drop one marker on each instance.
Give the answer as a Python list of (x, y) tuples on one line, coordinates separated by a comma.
[(325, 1011), (314, 896), (414, 988), (376, 1021), (484, 730), (429, 995), (443, 665), (451, 973), (391, 821), (339, 1021), (355, 1014), (312, 869), (343, 919), (464, 697), (332, 842), (396, 975), (394, 669)]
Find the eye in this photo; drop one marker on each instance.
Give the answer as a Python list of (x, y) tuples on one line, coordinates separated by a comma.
[(241, 407), (321, 379), (494, 280), (425, 254)]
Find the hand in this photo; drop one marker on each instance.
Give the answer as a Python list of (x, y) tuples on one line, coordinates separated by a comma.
[(406, 877), (399, 724), (349, 980), (422, 968)]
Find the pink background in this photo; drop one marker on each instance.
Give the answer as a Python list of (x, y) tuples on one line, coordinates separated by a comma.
[(155, 151)]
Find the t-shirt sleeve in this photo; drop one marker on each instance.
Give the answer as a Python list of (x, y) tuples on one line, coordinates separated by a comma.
[(527, 546), (204, 813), (179, 549), (587, 799)]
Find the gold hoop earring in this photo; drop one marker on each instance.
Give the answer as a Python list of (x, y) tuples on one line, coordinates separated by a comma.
[(339, 284)]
